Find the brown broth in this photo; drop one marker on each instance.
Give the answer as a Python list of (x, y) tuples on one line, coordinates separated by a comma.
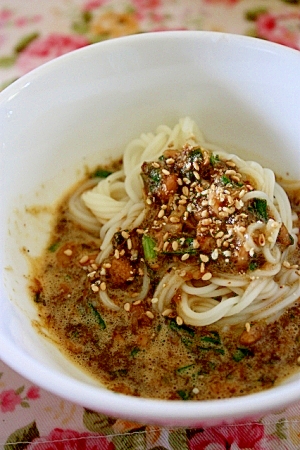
[(135, 354)]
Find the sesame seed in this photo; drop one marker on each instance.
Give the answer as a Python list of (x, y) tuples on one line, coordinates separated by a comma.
[(166, 312), (179, 320), (125, 235), (202, 267), (179, 181), (187, 180), (204, 258), (182, 201), (230, 172), (174, 219), (207, 276), (68, 252), (196, 165), (195, 244), (215, 254), (149, 201), (94, 266), (94, 288), (166, 245), (92, 274), (230, 163), (286, 264), (127, 307), (156, 165), (185, 190), (195, 390), (154, 300), (149, 314), (170, 161), (84, 259), (185, 257), (103, 286), (137, 302), (247, 326), (165, 172), (174, 245), (196, 175), (161, 214), (219, 235)]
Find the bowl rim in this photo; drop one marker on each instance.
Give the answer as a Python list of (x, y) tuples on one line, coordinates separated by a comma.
[(120, 405)]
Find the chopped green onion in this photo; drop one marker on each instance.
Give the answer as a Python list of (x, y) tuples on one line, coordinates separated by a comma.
[(134, 352), (98, 317), (101, 173), (241, 353), (53, 247), (149, 248)]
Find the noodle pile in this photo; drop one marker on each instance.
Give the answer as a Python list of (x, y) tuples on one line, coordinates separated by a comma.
[(118, 203)]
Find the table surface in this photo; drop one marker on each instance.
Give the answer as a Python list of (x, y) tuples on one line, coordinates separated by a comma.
[(35, 31)]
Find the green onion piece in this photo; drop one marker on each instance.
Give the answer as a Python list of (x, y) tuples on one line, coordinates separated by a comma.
[(225, 180), (240, 354), (183, 395), (53, 247), (149, 248), (134, 352), (184, 368), (214, 159), (98, 317), (101, 173), (259, 206)]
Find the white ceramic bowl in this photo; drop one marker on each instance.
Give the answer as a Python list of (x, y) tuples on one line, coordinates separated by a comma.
[(73, 112)]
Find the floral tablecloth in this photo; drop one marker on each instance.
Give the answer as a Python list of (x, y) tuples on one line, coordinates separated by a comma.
[(35, 31)]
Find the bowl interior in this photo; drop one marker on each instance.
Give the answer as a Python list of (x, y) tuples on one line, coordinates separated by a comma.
[(80, 110)]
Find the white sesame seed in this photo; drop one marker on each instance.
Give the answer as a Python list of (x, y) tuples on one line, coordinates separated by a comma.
[(166, 312), (103, 286), (149, 314), (215, 254), (204, 258), (68, 252), (207, 276), (175, 245), (127, 307), (154, 300), (179, 320), (166, 245), (165, 172), (94, 288), (195, 390), (125, 235), (185, 190), (84, 259), (185, 257)]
